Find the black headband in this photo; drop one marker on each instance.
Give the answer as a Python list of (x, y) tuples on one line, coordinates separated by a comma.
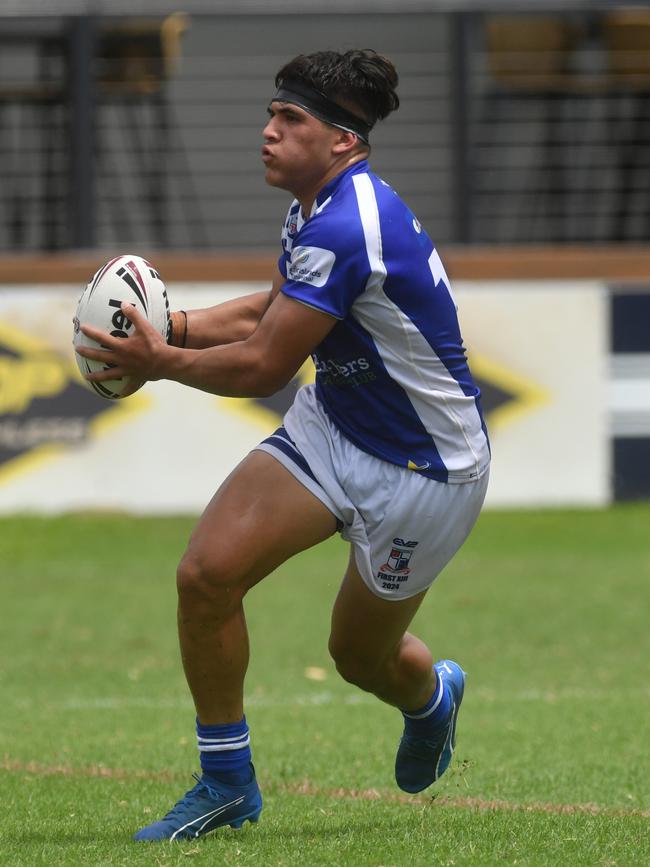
[(321, 106)]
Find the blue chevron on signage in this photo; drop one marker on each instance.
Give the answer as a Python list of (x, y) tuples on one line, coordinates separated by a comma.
[(43, 404)]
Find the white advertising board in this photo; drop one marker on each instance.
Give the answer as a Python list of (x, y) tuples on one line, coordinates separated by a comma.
[(546, 346), (538, 350)]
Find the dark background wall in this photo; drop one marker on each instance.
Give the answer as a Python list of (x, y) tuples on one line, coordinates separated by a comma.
[(535, 133)]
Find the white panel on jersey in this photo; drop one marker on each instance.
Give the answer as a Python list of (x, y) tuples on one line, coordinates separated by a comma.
[(438, 270), (455, 428), (439, 274)]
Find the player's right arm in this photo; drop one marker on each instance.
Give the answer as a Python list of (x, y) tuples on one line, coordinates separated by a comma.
[(224, 323)]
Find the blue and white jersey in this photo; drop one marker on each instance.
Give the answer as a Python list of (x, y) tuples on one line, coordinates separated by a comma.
[(392, 373)]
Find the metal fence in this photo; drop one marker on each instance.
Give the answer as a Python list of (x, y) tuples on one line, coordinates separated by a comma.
[(514, 128)]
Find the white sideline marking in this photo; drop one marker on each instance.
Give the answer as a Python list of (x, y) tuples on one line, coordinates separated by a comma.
[(316, 699)]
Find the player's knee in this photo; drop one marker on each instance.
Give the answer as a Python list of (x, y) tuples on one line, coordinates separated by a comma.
[(354, 667), (204, 583)]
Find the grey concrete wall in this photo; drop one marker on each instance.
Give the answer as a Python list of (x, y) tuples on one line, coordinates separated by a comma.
[(219, 97)]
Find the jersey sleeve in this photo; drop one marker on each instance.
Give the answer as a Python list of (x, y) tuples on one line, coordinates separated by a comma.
[(327, 268)]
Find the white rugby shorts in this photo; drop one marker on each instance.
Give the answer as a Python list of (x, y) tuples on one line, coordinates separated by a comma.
[(404, 527)]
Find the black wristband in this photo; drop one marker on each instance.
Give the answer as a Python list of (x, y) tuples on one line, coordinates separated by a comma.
[(185, 329), (174, 339)]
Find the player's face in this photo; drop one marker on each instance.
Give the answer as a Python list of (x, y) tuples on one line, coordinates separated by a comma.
[(297, 150)]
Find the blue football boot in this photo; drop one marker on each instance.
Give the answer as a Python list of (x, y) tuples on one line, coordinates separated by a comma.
[(422, 760), (206, 807)]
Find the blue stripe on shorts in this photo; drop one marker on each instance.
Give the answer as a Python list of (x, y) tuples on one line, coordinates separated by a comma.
[(282, 441)]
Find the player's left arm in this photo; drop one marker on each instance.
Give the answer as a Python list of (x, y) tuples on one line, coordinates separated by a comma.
[(222, 323), (255, 367)]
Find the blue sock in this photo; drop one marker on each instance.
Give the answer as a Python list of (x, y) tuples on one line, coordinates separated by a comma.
[(432, 716), (225, 752)]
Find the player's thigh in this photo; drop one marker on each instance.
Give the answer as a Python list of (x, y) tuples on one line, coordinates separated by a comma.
[(366, 627), (260, 516)]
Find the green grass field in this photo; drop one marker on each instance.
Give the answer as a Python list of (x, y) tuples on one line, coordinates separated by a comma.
[(547, 611)]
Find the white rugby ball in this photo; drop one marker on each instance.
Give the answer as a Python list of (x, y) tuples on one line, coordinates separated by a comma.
[(129, 279)]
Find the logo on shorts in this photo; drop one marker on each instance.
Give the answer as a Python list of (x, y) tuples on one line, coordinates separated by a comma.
[(399, 557)]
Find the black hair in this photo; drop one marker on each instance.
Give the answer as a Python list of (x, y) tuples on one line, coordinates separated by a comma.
[(360, 76)]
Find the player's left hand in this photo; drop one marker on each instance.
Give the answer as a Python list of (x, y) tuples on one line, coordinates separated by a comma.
[(137, 356)]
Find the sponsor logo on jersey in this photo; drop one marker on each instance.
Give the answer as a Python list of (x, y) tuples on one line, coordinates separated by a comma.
[(346, 368), (311, 265), (355, 372), (301, 257)]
